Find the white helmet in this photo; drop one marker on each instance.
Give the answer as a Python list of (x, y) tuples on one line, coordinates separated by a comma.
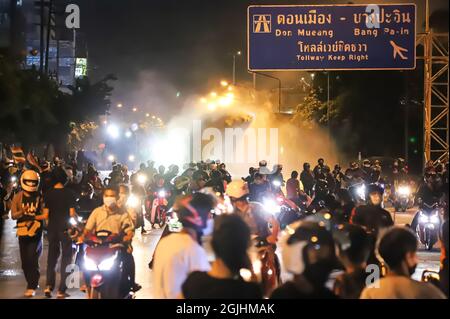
[(237, 189), (29, 181)]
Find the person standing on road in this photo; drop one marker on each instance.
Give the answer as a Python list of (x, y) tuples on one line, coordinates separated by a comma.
[(398, 249), (180, 253), (307, 179), (60, 205), (354, 246), (27, 209), (230, 242)]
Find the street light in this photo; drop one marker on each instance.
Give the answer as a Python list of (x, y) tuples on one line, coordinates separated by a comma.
[(128, 134), (119, 105), (131, 158), (111, 158), (238, 53), (224, 83), (135, 109), (113, 131)]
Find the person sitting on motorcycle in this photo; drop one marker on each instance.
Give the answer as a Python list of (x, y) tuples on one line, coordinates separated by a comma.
[(110, 217), (171, 174), (308, 252), (429, 193), (259, 189), (372, 217), (178, 254), (225, 174), (338, 176), (367, 171), (307, 179), (161, 170), (276, 179), (398, 249), (293, 187), (86, 202), (216, 182), (198, 181), (46, 177), (354, 173), (318, 168), (251, 176), (346, 204), (354, 247), (261, 224)]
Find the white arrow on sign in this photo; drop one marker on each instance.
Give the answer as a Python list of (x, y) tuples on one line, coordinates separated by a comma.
[(398, 50)]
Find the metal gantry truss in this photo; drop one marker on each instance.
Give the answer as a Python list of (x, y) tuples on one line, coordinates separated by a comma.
[(436, 90)]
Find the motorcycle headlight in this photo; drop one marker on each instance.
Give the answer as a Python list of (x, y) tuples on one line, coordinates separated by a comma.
[(404, 190), (72, 221), (89, 264), (142, 179), (162, 193), (271, 206), (276, 183), (132, 201), (361, 191), (435, 219), (107, 263), (13, 179), (423, 218)]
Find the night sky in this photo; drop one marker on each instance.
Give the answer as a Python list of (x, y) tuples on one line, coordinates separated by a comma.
[(182, 43)]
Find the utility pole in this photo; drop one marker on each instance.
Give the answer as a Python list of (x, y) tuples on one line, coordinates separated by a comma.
[(41, 40), (49, 22), (271, 77)]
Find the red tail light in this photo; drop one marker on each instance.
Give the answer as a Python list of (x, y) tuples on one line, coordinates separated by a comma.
[(96, 280)]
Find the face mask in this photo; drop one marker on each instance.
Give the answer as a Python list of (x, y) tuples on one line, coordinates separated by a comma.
[(209, 227), (109, 201)]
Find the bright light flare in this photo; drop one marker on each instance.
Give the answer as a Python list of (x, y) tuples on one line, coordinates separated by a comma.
[(404, 190), (224, 83), (133, 201), (113, 131), (142, 179), (111, 158), (131, 158), (128, 134)]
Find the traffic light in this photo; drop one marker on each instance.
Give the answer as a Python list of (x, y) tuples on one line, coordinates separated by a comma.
[(412, 139)]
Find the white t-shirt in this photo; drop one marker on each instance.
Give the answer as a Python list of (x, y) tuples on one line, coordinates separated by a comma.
[(400, 287), (176, 256)]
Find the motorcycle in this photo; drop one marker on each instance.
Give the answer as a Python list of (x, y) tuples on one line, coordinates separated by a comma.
[(428, 225), (284, 210), (157, 213), (104, 268), (402, 198)]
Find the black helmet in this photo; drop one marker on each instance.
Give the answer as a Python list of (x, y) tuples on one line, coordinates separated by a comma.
[(337, 167), (306, 166), (86, 189), (375, 188), (353, 242), (303, 235), (353, 165)]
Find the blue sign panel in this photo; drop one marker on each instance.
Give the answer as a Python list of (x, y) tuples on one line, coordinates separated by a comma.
[(331, 37)]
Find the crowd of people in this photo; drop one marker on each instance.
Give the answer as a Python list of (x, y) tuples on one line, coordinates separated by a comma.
[(331, 231)]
